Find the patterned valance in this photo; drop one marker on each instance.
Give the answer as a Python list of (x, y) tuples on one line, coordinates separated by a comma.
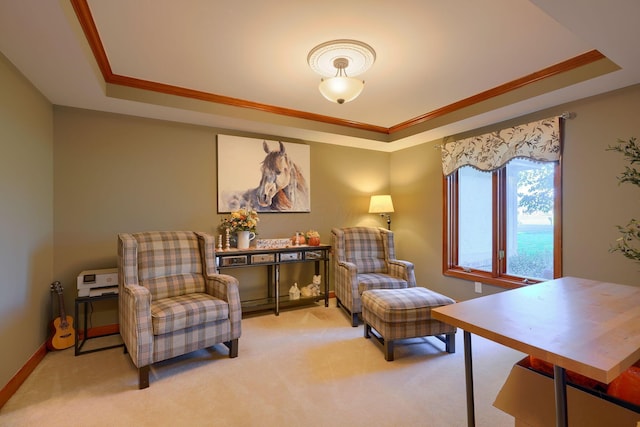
[(536, 140)]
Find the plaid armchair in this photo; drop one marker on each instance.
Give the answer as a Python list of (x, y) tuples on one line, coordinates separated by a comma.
[(171, 301), (364, 258)]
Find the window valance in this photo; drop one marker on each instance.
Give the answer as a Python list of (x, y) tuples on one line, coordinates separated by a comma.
[(538, 140)]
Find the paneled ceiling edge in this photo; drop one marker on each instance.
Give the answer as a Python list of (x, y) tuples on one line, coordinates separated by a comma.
[(409, 127)]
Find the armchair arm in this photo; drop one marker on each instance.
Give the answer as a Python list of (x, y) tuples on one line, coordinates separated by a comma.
[(347, 272), (404, 269), (135, 323), (349, 266), (346, 286), (225, 287)]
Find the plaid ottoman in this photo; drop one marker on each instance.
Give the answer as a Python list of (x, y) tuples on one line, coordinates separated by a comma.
[(404, 313)]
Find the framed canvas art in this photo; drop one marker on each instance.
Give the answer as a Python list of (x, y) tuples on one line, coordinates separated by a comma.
[(264, 175)]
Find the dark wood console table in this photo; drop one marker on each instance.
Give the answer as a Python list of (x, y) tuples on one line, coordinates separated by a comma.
[(273, 258)]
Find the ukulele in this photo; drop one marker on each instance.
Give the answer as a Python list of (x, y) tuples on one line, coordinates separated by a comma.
[(63, 335)]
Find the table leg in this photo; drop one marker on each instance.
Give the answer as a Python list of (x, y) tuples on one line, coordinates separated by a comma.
[(468, 372), (326, 282), (77, 341), (276, 276), (560, 385)]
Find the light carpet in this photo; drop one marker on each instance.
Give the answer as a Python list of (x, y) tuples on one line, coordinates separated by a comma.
[(305, 367)]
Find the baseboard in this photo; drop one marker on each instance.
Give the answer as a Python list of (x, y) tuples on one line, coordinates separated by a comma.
[(14, 383), (100, 330)]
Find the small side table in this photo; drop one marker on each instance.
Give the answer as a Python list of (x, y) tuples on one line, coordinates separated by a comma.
[(85, 302)]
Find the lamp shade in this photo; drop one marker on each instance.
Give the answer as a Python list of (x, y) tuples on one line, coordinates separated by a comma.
[(381, 204), (341, 89)]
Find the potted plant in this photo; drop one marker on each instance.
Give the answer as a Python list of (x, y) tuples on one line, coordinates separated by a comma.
[(629, 243)]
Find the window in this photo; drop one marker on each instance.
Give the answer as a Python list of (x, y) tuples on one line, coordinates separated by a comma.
[(502, 217)]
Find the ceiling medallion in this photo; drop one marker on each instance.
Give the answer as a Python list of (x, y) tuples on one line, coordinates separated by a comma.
[(337, 62)]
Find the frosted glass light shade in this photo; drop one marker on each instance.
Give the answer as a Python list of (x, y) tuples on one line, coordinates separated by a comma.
[(341, 89), (381, 204)]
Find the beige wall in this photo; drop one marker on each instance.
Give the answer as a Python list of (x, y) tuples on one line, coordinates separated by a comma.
[(593, 202), (116, 173), (26, 219)]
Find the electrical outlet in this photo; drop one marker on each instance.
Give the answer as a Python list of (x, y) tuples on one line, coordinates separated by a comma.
[(478, 288)]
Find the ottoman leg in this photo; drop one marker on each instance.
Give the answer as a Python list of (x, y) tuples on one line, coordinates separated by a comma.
[(367, 330), (388, 350), (450, 343)]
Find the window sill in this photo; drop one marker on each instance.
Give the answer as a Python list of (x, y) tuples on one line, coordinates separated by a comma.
[(507, 282)]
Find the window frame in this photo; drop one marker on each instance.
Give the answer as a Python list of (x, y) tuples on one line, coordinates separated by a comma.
[(497, 276)]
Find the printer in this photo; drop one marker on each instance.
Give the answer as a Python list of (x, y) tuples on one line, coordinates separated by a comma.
[(93, 283)]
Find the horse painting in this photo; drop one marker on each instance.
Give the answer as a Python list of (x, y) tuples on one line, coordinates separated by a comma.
[(282, 186)]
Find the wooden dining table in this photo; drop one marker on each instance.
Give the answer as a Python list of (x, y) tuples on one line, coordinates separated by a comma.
[(586, 326)]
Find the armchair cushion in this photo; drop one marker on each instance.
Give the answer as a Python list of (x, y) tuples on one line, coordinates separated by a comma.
[(174, 286), (364, 248), (169, 263), (379, 281), (185, 311)]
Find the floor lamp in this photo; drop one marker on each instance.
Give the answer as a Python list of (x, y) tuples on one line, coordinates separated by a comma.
[(383, 205)]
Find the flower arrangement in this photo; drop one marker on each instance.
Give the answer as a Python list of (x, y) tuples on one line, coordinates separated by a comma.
[(241, 220)]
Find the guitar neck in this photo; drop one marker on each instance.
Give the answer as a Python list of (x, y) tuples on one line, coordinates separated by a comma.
[(63, 314)]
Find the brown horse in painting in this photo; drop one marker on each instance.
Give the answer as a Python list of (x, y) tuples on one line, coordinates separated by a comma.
[(282, 186)]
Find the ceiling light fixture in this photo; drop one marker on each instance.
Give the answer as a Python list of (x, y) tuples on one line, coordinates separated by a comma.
[(338, 61)]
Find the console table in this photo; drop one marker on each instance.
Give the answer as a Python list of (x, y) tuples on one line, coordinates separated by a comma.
[(273, 258)]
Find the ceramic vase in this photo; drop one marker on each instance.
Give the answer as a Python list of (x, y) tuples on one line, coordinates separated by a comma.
[(245, 238)]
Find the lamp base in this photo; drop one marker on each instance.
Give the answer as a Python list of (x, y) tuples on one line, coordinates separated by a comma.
[(388, 220)]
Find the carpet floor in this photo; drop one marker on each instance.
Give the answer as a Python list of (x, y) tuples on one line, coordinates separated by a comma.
[(305, 367)]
